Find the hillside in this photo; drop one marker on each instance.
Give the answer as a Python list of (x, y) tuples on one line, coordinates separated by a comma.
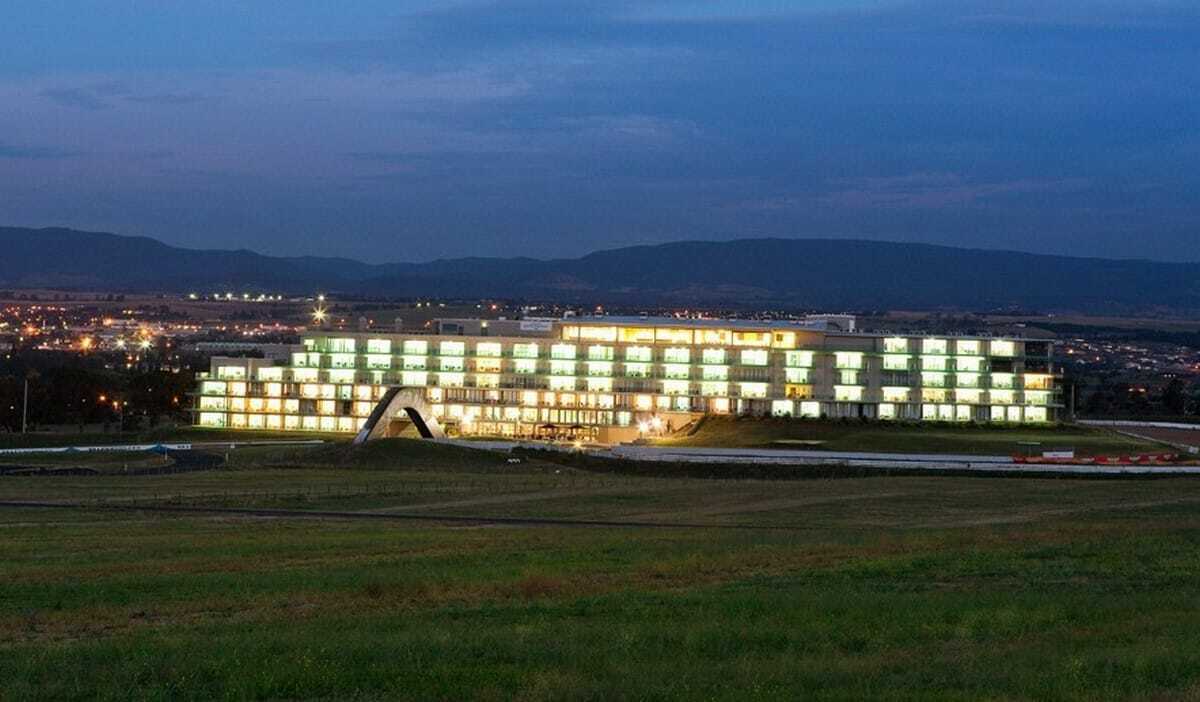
[(811, 273)]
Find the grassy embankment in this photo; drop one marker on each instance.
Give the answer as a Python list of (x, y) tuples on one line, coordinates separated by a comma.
[(877, 587), (900, 437)]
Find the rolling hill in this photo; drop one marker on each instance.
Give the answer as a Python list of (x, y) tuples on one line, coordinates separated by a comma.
[(809, 273)]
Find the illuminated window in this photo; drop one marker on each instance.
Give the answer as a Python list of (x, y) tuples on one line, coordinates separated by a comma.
[(895, 394), (848, 377), (782, 408), (487, 365), (451, 380), (341, 345), (673, 336), (719, 405), (1036, 381), (714, 388), (304, 375), (1036, 414), (524, 366), (847, 359), (341, 376), (558, 382), (967, 347), (751, 338), (972, 364), (487, 380), (1001, 397), (588, 333), (231, 372), (894, 362), (1037, 397), (414, 378), (562, 351), (416, 347), (887, 410), (637, 370), (529, 398), (212, 387), (413, 362), (934, 346), (1003, 380), (783, 340), (676, 354), (491, 349), (796, 375), (600, 353), (847, 393), (643, 402), (754, 357), (967, 380), (675, 387), (274, 373), (1000, 347), (933, 379), (798, 359), (810, 409), (676, 371), (379, 346), (212, 419), (933, 363), (970, 397), (933, 395), (379, 361), (895, 344), (599, 367), (525, 350), (714, 372), (452, 348), (641, 354), (451, 363), (637, 335), (562, 367), (720, 337), (962, 413), (599, 385), (753, 390), (713, 356)]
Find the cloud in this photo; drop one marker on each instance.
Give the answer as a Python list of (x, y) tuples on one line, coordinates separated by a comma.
[(39, 153), (81, 98)]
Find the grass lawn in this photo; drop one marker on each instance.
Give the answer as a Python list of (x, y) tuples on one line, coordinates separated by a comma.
[(900, 437), (882, 587), (160, 435)]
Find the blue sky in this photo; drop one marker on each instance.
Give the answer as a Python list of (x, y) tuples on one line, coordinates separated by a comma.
[(414, 130)]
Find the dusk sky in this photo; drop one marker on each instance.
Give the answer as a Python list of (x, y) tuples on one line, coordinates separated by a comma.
[(397, 130)]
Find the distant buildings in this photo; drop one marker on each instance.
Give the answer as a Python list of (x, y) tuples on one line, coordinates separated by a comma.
[(611, 378)]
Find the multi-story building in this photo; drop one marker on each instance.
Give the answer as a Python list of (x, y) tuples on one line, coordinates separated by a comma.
[(613, 377)]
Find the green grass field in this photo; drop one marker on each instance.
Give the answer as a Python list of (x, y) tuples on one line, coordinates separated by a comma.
[(882, 587), (901, 437)]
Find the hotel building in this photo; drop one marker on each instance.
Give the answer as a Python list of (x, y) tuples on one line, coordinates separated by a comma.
[(610, 377)]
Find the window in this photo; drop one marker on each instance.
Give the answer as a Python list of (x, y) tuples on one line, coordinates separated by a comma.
[(796, 375), (562, 351), (895, 394), (677, 354), (967, 380), (847, 393), (847, 359), (895, 344), (379, 345), (752, 338), (379, 361), (933, 379), (887, 410), (970, 397), (713, 356), (848, 377), (600, 353), (602, 368), (588, 333), (413, 362), (491, 349), (972, 364), (487, 365), (452, 348), (341, 376), (1000, 347), (894, 362), (416, 347), (810, 409), (562, 368), (524, 366), (341, 345), (753, 390), (967, 347), (599, 385), (1036, 381), (675, 387), (798, 359), (451, 363), (934, 346), (487, 380), (719, 337), (784, 340), (1002, 380), (638, 353), (562, 383), (754, 357), (525, 351), (637, 334), (713, 388), (231, 372), (637, 370), (416, 378), (714, 372), (933, 363), (677, 370), (274, 373), (451, 380), (782, 408), (673, 336)]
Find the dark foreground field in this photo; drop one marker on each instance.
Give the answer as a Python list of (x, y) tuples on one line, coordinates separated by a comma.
[(944, 588)]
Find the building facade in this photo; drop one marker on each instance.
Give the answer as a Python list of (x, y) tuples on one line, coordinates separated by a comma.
[(611, 378)]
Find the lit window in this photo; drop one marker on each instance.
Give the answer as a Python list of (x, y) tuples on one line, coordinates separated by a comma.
[(1001, 347), (642, 354), (967, 347), (895, 344), (490, 349), (798, 359), (753, 389), (895, 394), (754, 357), (416, 347), (935, 346), (676, 354), (847, 393), (379, 345), (452, 348), (562, 351), (782, 408), (895, 362), (847, 359), (525, 351)]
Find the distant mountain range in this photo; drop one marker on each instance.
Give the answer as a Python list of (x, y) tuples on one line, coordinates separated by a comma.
[(803, 273)]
